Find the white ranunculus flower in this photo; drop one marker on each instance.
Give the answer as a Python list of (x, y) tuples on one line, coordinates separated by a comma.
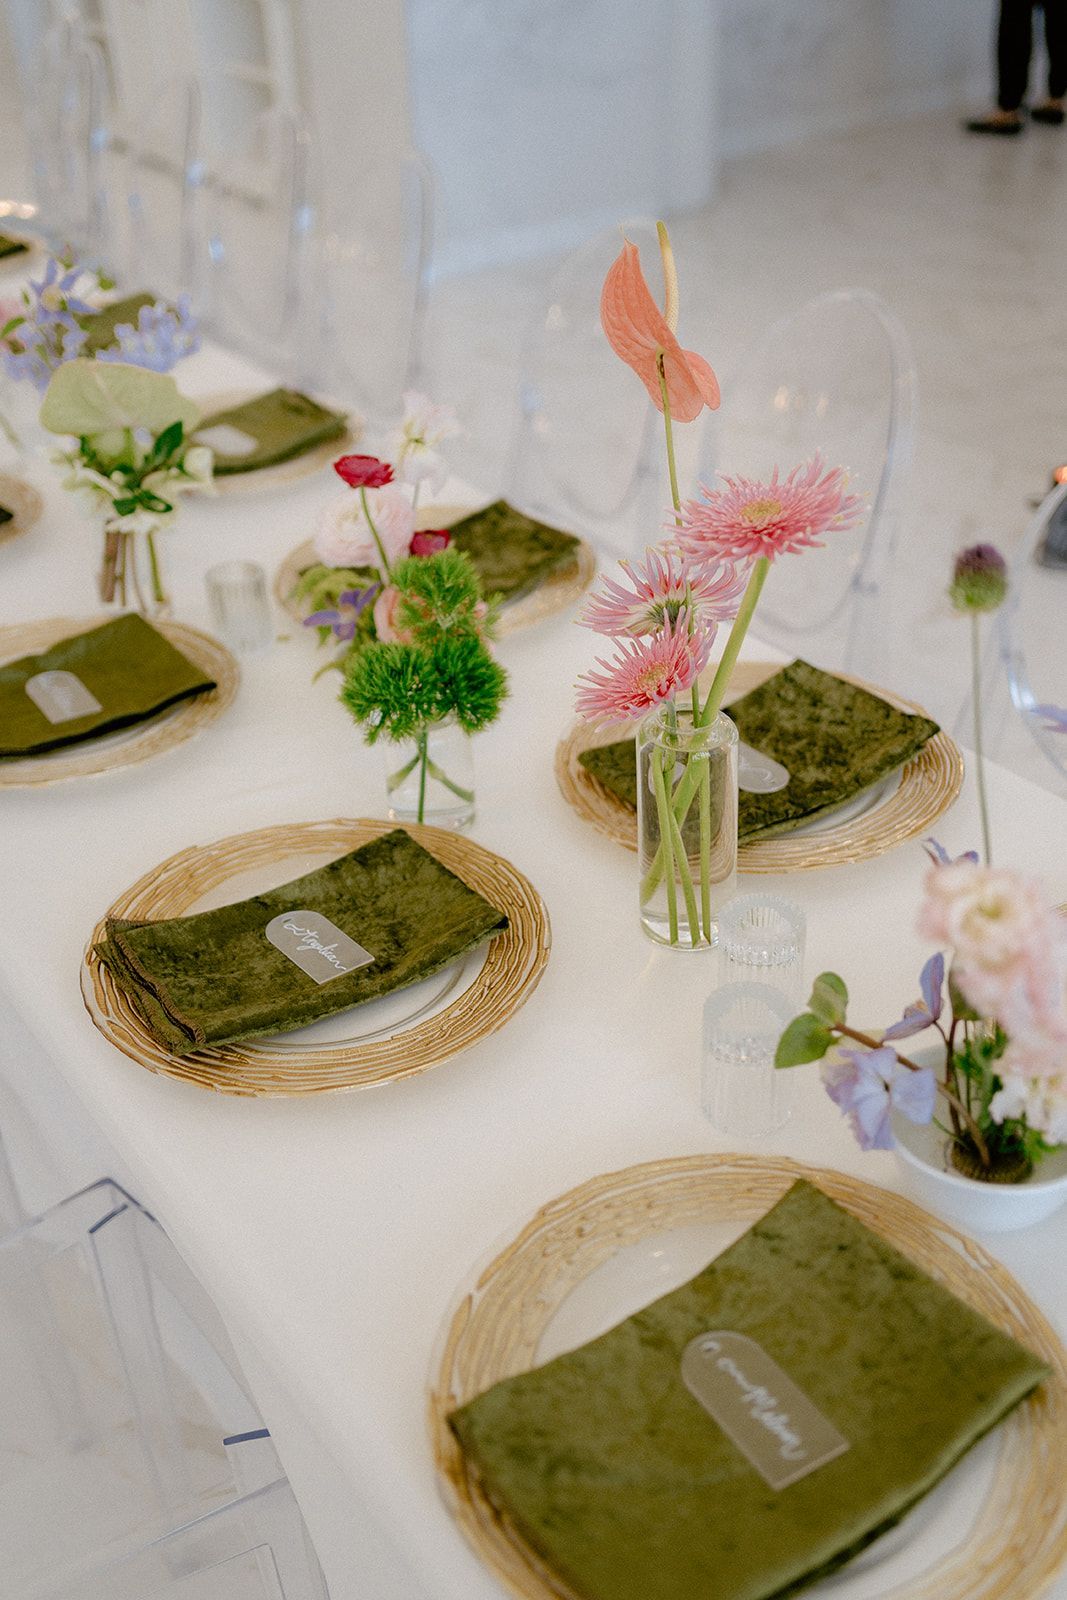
[(344, 537)]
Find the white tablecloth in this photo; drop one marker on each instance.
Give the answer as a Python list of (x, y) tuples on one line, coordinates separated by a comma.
[(336, 1232)]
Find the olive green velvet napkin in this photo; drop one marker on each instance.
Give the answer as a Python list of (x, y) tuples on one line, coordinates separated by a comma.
[(5, 515), (511, 552), (126, 665), (100, 326), (284, 423), (835, 740), (10, 246), (622, 1482), (214, 977)]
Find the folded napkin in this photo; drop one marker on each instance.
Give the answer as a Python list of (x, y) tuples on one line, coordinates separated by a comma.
[(100, 325), (834, 739), (216, 977), (5, 514), (125, 667), (512, 552), (618, 1476), (283, 424), (10, 246)]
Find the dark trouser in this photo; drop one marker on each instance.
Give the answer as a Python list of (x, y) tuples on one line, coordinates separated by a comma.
[(1015, 42)]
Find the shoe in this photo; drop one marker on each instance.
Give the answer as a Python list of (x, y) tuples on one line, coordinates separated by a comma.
[(1052, 115), (1006, 130)]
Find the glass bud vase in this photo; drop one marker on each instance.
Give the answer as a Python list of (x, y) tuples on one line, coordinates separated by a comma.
[(130, 577), (430, 778), (686, 824)]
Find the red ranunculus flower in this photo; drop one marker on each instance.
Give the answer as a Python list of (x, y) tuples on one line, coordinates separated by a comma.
[(428, 541), (363, 472)]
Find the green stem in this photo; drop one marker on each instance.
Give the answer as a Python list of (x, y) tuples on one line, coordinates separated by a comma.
[(395, 779), (386, 568), (749, 600), (442, 777), (976, 697), (669, 431), (662, 809), (681, 857), (422, 742), (705, 847), (153, 562)]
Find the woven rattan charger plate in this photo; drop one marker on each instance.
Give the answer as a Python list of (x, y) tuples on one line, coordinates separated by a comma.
[(928, 785), (559, 591), (282, 473), (1019, 1537), (514, 962), (24, 503), (126, 746)]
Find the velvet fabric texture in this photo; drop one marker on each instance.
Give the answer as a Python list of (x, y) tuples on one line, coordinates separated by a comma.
[(512, 553), (10, 246), (284, 423), (5, 515), (214, 978), (622, 1482), (100, 327), (834, 739), (125, 664)]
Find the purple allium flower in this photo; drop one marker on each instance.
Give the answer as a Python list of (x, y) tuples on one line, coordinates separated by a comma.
[(867, 1084), (344, 617), (926, 1011), (161, 338), (979, 579)]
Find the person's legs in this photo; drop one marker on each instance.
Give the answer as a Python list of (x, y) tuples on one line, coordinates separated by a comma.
[(1056, 44), (1014, 44)]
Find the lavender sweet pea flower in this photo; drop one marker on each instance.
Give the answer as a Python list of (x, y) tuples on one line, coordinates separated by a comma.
[(867, 1084), (342, 619), (160, 340), (1055, 718), (925, 1012), (941, 858)]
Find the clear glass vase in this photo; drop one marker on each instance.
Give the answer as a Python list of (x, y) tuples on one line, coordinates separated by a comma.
[(130, 575), (430, 778), (686, 825)]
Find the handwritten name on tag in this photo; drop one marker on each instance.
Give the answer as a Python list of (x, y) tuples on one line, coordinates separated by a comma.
[(227, 440), (773, 1423), (312, 943), (61, 696)]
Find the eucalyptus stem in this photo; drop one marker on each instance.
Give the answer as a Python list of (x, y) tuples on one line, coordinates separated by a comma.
[(665, 848), (976, 698), (386, 568)]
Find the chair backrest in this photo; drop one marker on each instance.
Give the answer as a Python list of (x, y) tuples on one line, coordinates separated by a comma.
[(589, 444), (837, 377), (1029, 637), (68, 113), (369, 286), (163, 174)]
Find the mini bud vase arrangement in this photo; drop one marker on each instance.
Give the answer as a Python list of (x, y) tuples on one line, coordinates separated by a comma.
[(428, 687), (664, 613), (130, 459)]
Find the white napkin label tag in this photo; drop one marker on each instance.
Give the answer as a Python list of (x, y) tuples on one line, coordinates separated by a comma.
[(773, 1423), (313, 944), (226, 440), (61, 696)]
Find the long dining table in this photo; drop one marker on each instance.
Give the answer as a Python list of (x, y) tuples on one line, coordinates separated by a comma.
[(336, 1232)]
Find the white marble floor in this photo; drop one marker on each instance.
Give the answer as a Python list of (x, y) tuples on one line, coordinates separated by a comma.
[(965, 241)]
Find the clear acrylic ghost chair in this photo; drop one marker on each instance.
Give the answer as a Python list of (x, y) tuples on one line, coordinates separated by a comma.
[(163, 184), (837, 377), (589, 451), (369, 288), (70, 143), (120, 1388), (260, 209), (12, 1211)]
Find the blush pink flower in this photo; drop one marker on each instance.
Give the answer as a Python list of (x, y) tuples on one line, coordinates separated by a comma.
[(658, 589), (385, 624), (746, 519), (644, 673), (344, 537), (640, 334)]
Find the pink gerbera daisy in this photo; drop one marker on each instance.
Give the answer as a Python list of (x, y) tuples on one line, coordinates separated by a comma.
[(644, 673), (659, 589), (744, 519)]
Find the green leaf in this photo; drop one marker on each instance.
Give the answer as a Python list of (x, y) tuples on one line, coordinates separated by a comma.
[(168, 442), (805, 1039), (93, 397), (829, 998), (9, 327)]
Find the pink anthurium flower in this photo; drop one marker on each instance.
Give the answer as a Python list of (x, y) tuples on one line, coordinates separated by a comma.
[(641, 334)]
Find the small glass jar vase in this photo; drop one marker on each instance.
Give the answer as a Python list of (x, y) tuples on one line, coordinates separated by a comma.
[(130, 577), (686, 825), (430, 778)]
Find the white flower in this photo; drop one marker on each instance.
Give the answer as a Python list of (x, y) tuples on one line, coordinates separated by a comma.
[(344, 537), (413, 446), (198, 463), (1040, 1102)]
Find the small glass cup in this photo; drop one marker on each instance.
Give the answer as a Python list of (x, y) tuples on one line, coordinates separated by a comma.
[(240, 606), (761, 936), (743, 1093)]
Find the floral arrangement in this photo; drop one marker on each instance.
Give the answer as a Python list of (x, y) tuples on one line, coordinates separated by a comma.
[(362, 536), (46, 329), (664, 614), (1001, 1028), (131, 458), (435, 665)]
